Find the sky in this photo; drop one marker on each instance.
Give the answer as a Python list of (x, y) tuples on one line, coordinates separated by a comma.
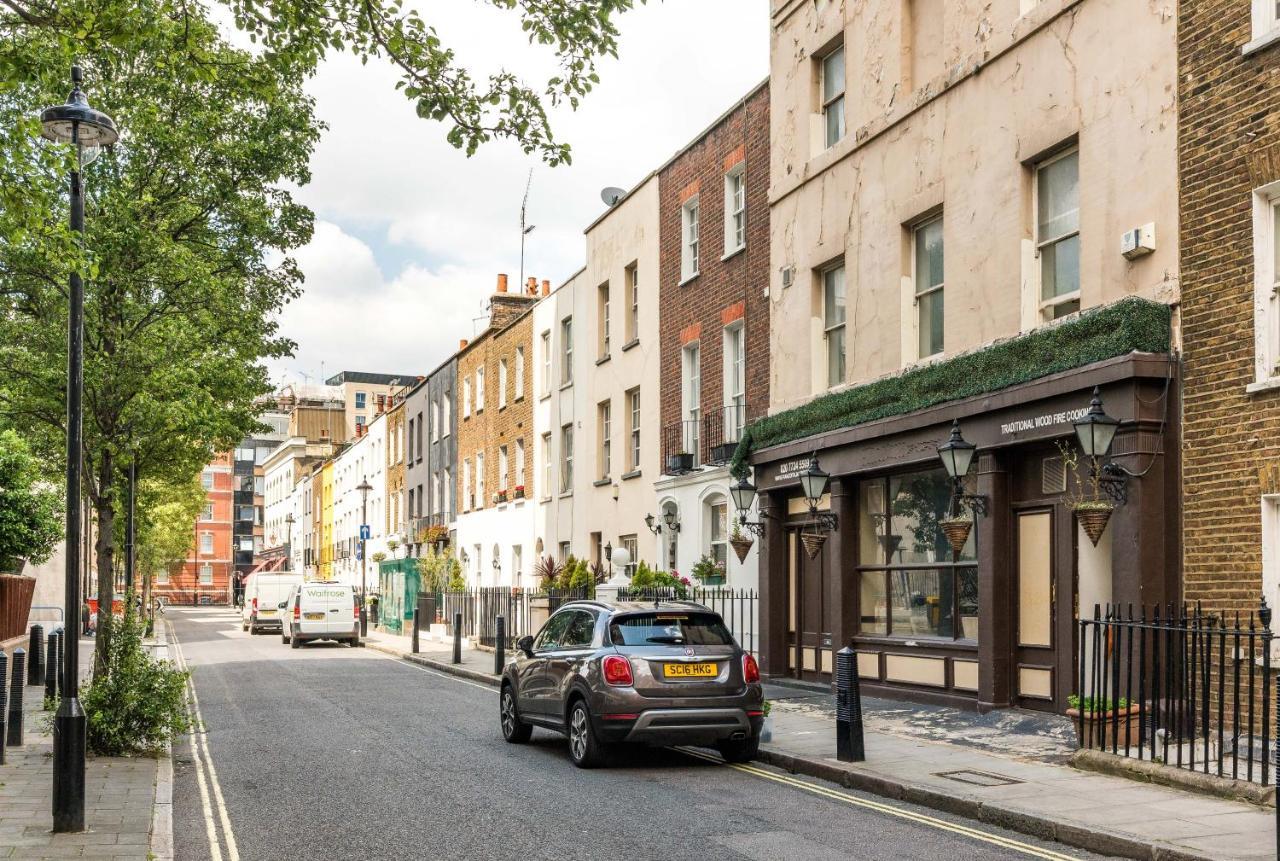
[(411, 234)]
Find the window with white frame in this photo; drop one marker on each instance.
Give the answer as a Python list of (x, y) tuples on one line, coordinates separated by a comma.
[(1058, 234), (435, 421), (446, 492), (718, 531), (735, 381), (735, 209), (1266, 17), (466, 397), (479, 480), (1266, 273), (517, 564), (502, 384), (206, 574), (691, 397), (690, 241), (435, 494), (468, 499), (833, 95), (479, 388), (206, 543), (633, 302), (604, 428), (633, 429), (162, 575), (206, 480), (546, 363), (927, 279), (519, 479), (546, 464), (446, 405), (566, 458), (502, 469), (519, 386), (602, 320), (833, 320), (566, 351), (631, 544), (207, 512)]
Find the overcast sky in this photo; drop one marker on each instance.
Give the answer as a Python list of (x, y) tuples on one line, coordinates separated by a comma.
[(410, 233)]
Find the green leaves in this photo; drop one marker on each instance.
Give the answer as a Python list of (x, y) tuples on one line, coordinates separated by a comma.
[(30, 508)]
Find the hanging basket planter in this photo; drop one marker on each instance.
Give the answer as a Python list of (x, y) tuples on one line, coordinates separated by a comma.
[(957, 532), (1094, 519), (813, 542), (741, 546)]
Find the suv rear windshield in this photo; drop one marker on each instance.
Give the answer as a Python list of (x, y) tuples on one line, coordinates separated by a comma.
[(675, 628)]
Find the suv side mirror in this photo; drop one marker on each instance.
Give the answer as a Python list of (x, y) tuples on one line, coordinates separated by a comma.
[(525, 644)]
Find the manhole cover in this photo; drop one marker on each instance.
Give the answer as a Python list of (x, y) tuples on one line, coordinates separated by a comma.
[(978, 778)]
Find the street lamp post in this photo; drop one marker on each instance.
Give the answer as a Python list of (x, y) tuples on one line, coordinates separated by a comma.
[(130, 532), (288, 541), (364, 487), (81, 126)]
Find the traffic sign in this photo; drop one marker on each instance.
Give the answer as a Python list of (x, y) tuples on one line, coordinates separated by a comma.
[(364, 532)]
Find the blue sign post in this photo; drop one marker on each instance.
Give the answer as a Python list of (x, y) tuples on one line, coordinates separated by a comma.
[(364, 532)]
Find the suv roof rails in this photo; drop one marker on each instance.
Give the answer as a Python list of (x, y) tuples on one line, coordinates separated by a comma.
[(594, 601)]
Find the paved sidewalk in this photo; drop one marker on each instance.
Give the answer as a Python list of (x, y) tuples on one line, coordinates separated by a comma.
[(1025, 787), (119, 804)]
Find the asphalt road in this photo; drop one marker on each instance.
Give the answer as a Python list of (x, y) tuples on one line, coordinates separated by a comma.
[(329, 752)]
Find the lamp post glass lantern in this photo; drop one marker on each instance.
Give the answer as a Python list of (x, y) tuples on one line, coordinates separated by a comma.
[(1095, 429), (364, 487), (744, 495), (86, 129), (814, 482)]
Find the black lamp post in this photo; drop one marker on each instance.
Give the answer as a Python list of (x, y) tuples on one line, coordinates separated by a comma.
[(288, 541), (655, 528), (83, 127), (364, 487)]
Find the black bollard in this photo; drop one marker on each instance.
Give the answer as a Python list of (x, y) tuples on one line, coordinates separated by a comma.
[(51, 667), (500, 645), (16, 686), (417, 627), (4, 702), (457, 638), (1276, 755), (62, 667), (35, 655), (849, 742)]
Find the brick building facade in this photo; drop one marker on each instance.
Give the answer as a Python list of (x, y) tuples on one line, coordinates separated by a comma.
[(208, 571), (1229, 163)]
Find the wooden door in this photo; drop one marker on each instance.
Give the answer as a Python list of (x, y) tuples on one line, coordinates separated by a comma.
[(1035, 681), (809, 616)]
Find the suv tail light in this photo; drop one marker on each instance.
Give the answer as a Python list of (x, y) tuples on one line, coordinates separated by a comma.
[(750, 670), (617, 671)]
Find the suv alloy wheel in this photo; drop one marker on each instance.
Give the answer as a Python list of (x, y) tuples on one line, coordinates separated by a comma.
[(584, 748), (514, 730)]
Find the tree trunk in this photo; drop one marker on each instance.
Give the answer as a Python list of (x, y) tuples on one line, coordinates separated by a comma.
[(106, 571)]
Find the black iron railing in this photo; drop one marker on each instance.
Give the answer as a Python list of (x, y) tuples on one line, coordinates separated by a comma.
[(1179, 686), (738, 607), (682, 447), (721, 430), (523, 609)]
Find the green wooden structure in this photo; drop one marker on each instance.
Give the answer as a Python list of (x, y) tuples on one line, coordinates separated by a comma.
[(399, 583)]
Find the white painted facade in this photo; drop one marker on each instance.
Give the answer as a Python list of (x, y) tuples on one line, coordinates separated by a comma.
[(363, 460)]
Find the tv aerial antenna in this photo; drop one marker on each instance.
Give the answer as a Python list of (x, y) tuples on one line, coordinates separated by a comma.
[(525, 227)]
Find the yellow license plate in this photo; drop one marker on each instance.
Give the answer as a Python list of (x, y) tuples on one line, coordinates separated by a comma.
[(313, 615), (265, 612), (690, 671)]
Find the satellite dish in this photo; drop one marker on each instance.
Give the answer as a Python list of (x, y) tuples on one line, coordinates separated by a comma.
[(612, 195)]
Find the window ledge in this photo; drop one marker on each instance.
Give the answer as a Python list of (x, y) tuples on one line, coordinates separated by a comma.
[(1266, 40), (1268, 385), (565, 494), (634, 342), (601, 482), (600, 361), (567, 385), (544, 500), (544, 396), (635, 473), (733, 252), (501, 407), (691, 278), (518, 398)]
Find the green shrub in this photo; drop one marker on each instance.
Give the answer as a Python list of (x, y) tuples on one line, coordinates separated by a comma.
[(1102, 333), (457, 582), (138, 705), (647, 578), (579, 578), (1104, 704)]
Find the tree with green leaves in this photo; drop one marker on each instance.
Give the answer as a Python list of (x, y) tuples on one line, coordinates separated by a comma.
[(30, 508), (165, 512), (298, 35)]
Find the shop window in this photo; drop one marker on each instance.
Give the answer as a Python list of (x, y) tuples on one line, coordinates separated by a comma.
[(910, 585)]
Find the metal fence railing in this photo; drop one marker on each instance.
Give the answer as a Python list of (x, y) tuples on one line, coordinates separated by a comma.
[(738, 607), (1179, 686)]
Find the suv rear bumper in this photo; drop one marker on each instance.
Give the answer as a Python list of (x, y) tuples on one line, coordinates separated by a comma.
[(680, 726)]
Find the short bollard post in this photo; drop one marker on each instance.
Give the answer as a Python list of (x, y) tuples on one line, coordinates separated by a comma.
[(4, 701), (849, 743), (457, 638), (17, 684), (1275, 752), (35, 656), (51, 667), (417, 628), (499, 645)]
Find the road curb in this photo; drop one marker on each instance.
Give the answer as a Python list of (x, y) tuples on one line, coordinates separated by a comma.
[(162, 809), (440, 666), (1021, 821)]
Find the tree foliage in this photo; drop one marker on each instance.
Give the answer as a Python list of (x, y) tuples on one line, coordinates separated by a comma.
[(30, 509), (165, 514), (298, 35)]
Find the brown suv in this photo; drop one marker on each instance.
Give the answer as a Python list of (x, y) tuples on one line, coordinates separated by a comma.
[(659, 673)]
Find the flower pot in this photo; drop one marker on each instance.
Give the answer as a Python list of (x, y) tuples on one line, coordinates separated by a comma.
[(766, 730), (16, 593), (1103, 730), (741, 546), (957, 532), (712, 580), (679, 463), (1094, 520), (813, 542)]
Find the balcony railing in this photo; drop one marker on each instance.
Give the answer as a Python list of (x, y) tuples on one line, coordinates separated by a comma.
[(710, 439), (681, 447), (721, 431)]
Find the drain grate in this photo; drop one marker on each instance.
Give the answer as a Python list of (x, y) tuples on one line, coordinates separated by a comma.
[(978, 778)]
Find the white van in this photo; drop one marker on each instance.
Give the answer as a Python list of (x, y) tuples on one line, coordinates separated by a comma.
[(263, 593), (320, 611)]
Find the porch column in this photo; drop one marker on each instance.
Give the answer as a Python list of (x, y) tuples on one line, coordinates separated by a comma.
[(1144, 550), (996, 584), (773, 585), (841, 588)]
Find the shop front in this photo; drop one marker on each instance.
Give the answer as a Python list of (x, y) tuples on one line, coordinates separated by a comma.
[(983, 617)]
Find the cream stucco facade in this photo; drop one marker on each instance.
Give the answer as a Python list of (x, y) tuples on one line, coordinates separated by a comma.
[(953, 109)]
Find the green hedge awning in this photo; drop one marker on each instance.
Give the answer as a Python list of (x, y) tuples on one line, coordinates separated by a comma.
[(1123, 327)]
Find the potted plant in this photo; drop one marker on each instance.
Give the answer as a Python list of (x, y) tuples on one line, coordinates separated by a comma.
[(1092, 510), (709, 572), (740, 542), (1105, 724), (766, 731), (519, 491), (30, 529)]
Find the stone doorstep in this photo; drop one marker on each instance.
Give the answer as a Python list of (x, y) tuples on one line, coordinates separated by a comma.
[(1179, 778)]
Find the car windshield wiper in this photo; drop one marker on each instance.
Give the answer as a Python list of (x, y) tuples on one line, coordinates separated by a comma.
[(665, 639)]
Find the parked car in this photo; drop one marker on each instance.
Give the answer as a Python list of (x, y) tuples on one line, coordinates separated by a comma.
[(649, 673), (263, 593), (320, 611)]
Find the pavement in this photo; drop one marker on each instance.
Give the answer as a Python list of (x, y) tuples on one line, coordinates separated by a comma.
[(329, 752), (121, 813), (1008, 769)]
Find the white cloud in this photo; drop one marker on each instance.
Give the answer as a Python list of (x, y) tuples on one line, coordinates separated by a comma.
[(439, 226)]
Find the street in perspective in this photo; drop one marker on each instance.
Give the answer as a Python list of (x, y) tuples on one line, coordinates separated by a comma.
[(731, 429)]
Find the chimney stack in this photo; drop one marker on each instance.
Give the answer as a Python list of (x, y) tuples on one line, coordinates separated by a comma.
[(462, 344), (531, 286), (502, 282), (546, 287)]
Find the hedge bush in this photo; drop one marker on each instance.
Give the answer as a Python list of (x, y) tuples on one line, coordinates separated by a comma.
[(1132, 324)]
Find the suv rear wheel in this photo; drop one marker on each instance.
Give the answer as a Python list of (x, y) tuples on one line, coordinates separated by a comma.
[(585, 749), (741, 750), (514, 730)]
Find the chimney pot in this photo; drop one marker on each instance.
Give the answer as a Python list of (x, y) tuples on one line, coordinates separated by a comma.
[(546, 287), (502, 282), (532, 286), (462, 344)]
